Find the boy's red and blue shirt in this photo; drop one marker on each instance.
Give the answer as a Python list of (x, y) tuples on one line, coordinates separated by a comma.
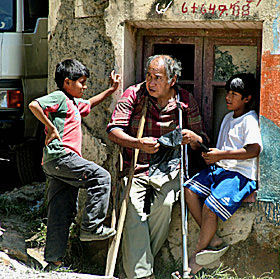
[(65, 114)]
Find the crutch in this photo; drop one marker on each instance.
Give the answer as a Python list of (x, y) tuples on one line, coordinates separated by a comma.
[(114, 247), (184, 210)]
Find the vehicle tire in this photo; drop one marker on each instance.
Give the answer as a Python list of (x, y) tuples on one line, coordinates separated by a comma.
[(28, 161)]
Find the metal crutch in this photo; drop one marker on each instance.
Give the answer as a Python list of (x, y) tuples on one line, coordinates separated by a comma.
[(184, 210)]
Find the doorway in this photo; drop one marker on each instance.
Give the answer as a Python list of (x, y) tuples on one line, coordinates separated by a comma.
[(209, 58)]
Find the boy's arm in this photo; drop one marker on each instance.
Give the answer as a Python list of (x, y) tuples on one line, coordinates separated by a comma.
[(39, 113), (247, 152), (115, 81)]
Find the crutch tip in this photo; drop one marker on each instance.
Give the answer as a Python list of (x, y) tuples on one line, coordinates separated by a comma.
[(175, 275)]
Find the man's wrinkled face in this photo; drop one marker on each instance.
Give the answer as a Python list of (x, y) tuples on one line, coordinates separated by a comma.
[(156, 79)]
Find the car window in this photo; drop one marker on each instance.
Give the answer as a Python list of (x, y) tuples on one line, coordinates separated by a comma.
[(7, 16)]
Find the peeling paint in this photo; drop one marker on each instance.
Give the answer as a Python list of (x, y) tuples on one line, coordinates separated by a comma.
[(270, 87), (231, 60), (269, 187), (269, 162), (224, 67)]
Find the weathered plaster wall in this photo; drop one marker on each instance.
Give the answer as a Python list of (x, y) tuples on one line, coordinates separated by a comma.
[(102, 34)]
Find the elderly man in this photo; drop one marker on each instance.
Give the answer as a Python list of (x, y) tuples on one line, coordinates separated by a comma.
[(152, 197)]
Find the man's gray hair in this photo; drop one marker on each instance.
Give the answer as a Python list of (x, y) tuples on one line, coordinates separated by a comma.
[(172, 65)]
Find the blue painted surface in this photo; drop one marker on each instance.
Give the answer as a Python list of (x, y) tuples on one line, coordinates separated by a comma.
[(271, 210), (269, 188)]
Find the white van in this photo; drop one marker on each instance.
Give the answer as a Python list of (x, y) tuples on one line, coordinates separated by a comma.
[(23, 77)]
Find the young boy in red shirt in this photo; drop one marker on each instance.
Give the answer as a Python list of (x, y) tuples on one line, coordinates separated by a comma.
[(65, 169)]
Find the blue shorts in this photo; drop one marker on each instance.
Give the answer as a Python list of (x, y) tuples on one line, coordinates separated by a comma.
[(222, 189)]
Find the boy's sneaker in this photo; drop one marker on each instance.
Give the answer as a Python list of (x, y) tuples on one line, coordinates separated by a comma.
[(100, 233)]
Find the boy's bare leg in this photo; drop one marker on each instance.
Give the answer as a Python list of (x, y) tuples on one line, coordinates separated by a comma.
[(195, 207), (208, 228), (209, 222)]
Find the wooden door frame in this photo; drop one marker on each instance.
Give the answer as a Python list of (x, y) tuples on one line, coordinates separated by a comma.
[(197, 41), (203, 71), (208, 72)]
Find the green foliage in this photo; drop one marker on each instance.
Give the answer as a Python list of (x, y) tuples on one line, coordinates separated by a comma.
[(162, 270), (39, 238), (220, 273), (31, 213), (26, 209), (228, 273), (7, 207)]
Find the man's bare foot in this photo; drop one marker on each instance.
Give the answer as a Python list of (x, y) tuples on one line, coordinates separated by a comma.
[(193, 265), (193, 269)]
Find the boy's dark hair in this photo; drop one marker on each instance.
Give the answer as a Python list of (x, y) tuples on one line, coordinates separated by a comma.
[(69, 68), (245, 84)]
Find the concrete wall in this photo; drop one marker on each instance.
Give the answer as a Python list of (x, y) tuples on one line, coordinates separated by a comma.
[(103, 35)]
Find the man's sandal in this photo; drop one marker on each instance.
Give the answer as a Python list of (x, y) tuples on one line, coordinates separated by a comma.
[(211, 254)]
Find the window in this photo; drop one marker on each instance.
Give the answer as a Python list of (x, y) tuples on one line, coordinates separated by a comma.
[(34, 9), (7, 16)]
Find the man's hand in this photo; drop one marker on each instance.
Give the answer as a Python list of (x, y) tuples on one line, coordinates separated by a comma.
[(115, 80), (51, 135), (189, 136), (148, 145), (213, 156)]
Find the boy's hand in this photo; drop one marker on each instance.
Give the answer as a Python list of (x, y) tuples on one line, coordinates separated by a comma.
[(51, 135), (213, 156), (115, 80)]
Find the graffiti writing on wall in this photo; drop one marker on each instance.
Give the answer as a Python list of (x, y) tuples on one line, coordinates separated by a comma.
[(163, 10), (239, 8)]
